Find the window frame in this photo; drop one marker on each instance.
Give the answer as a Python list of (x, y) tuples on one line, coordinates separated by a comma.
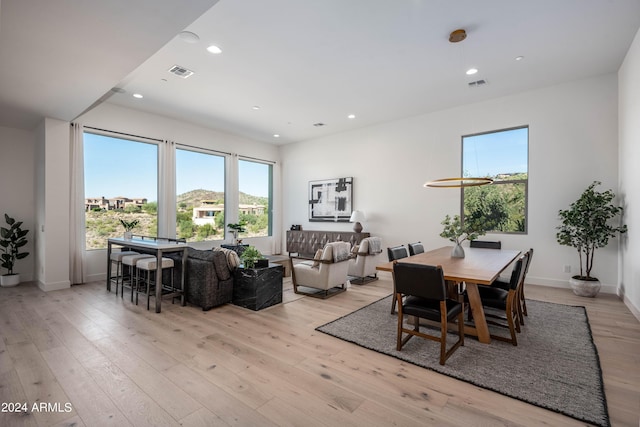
[(501, 182)]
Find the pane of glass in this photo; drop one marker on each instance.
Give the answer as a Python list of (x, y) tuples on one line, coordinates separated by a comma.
[(200, 196), (120, 182), (496, 207), (498, 155), (503, 156), (254, 184)]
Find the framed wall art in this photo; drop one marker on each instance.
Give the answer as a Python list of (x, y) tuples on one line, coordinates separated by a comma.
[(331, 199)]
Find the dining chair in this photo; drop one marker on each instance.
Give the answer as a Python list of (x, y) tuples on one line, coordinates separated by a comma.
[(396, 253), (421, 292), (505, 302), (415, 248), (522, 304), (486, 244)]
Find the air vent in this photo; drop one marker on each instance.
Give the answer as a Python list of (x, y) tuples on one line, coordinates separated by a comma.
[(478, 83), (180, 71), (318, 124)]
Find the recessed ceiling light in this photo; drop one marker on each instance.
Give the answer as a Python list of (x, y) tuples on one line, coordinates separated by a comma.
[(189, 37), (471, 71), (275, 135), (351, 116), (214, 49), (138, 95), (519, 58)]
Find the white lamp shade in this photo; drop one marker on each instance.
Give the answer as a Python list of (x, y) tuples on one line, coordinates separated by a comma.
[(357, 216)]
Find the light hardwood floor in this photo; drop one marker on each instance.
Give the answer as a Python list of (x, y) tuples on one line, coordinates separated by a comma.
[(119, 364)]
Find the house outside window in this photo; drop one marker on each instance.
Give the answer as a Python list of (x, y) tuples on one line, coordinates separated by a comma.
[(200, 195), (121, 182), (255, 184), (502, 155)]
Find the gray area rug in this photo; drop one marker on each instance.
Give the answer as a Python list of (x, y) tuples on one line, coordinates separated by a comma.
[(554, 366)]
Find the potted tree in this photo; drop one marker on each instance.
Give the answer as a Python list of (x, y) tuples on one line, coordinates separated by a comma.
[(586, 226), (12, 239), (456, 232)]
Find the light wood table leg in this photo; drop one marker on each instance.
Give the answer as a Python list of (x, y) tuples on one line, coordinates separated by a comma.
[(481, 329)]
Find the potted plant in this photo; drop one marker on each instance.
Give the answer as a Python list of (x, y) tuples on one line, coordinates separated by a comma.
[(11, 240), (128, 227), (586, 226), (456, 232), (251, 257), (237, 228)]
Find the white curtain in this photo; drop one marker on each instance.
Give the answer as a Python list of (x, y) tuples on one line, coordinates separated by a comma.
[(167, 189), (77, 207), (276, 211), (231, 195)]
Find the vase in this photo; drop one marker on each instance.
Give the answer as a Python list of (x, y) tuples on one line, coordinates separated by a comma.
[(128, 235), (9, 280), (585, 288), (457, 252)]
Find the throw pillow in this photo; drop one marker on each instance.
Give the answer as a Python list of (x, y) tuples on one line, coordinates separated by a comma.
[(317, 256)]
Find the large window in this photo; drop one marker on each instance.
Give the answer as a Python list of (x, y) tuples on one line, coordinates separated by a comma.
[(255, 198), (503, 156), (200, 196), (120, 182)]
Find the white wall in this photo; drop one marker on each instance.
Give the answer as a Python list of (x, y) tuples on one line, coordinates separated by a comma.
[(629, 128), (17, 189), (120, 119), (572, 142)]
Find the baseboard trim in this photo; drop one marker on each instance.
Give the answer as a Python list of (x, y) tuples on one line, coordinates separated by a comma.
[(46, 287)]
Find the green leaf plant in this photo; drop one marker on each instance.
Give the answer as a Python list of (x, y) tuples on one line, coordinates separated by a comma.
[(586, 226), (11, 240), (456, 232)]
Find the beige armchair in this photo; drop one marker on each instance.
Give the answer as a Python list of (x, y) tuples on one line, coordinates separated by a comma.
[(327, 272), (368, 256)]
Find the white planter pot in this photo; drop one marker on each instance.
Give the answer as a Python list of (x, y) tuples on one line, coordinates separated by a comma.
[(9, 280), (585, 288), (128, 235)]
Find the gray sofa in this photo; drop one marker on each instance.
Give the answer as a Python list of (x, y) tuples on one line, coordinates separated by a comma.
[(209, 281)]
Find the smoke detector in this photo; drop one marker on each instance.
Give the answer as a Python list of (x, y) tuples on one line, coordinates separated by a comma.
[(181, 71)]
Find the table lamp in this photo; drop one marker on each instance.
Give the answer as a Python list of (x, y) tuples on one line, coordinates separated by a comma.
[(357, 216)]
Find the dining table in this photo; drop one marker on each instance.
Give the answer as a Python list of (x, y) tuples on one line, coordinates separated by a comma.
[(479, 267)]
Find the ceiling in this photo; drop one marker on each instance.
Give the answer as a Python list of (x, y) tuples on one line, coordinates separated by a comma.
[(302, 62)]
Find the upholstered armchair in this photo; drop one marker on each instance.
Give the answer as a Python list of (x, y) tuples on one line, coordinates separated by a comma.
[(327, 272), (363, 266)]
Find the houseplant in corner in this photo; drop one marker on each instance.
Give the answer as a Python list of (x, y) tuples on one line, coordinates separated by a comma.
[(586, 226), (458, 233), (128, 227), (11, 240)]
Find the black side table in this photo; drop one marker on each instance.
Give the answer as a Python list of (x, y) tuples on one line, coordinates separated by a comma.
[(258, 288)]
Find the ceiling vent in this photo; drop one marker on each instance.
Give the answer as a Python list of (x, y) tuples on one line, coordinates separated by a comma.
[(319, 124), (180, 71), (477, 83)]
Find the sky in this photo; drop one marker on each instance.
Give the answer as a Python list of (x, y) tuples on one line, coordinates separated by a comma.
[(497, 152), (118, 167)]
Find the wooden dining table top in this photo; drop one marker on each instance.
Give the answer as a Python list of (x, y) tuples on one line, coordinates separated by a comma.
[(480, 265)]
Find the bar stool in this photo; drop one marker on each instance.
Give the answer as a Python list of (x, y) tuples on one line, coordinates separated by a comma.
[(131, 261), (150, 265), (116, 258)]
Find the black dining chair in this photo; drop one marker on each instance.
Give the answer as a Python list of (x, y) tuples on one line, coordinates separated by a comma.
[(421, 292), (505, 302), (395, 253), (486, 244), (522, 303), (415, 248)]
